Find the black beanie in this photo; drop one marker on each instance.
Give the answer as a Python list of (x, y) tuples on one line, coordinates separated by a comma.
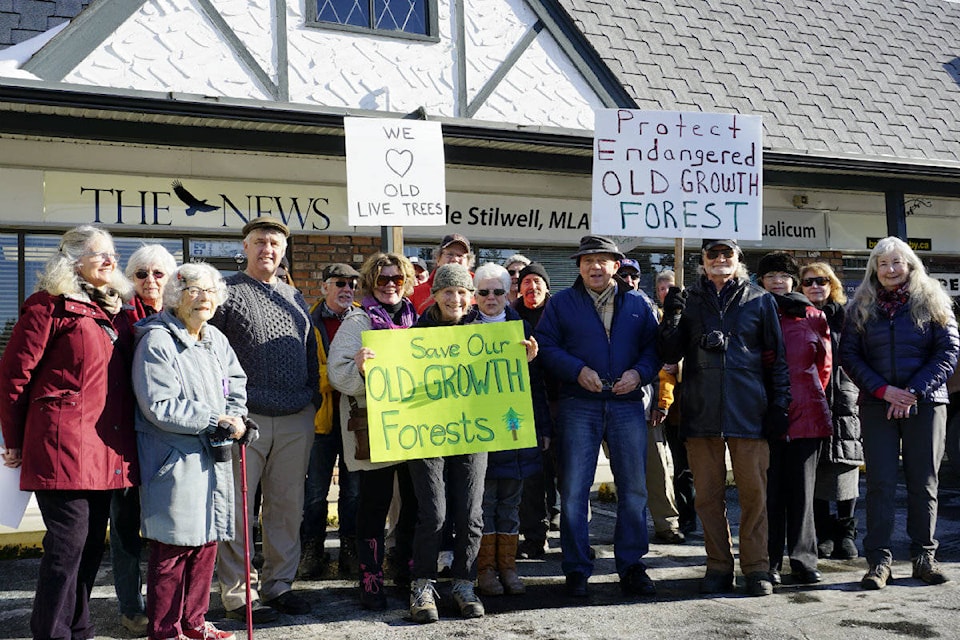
[(534, 268), (778, 261)]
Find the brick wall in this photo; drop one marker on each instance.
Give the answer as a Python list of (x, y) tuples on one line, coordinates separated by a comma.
[(22, 19), (312, 253), (833, 258)]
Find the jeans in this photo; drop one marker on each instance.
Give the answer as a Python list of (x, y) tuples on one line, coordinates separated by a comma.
[(327, 447), (501, 505), (584, 423), (125, 547)]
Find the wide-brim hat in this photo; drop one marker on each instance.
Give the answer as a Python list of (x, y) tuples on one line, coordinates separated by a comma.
[(266, 222), (597, 244)]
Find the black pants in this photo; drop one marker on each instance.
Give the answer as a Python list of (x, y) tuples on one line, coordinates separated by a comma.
[(682, 477), (790, 481), (376, 493), (76, 523)]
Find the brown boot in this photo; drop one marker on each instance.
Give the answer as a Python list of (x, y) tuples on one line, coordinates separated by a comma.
[(487, 566), (507, 563)]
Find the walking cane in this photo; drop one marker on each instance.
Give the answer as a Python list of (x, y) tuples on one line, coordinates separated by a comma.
[(246, 536)]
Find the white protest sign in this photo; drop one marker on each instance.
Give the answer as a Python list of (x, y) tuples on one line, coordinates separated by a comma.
[(395, 172), (672, 174)]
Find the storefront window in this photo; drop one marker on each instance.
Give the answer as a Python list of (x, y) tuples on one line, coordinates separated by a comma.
[(9, 258)]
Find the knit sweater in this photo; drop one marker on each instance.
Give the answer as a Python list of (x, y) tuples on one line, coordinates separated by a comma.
[(269, 328)]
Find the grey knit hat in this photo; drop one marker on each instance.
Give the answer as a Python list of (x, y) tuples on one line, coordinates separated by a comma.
[(451, 275)]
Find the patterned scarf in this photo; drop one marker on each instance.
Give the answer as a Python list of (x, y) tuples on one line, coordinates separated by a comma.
[(603, 303), (380, 318), (890, 302), (107, 298)]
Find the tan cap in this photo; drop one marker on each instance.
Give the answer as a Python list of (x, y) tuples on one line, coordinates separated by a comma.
[(266, 222)]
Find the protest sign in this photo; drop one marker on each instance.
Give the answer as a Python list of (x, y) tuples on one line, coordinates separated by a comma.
[(395, 172), (670, 174), (444, 391)]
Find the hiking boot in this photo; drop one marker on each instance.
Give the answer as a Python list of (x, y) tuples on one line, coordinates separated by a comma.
[(636, 582), (372, 596), (926, 568), (758, 584), (348, 560), (208, 632), (314, 560), (716, 582), (423, 602), (135, 624), (877, 577), (467, 601)]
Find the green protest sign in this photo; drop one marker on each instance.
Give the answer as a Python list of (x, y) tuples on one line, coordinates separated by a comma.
[(443, 391)]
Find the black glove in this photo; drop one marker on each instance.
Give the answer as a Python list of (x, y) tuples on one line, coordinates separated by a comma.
[(224, 431), (252, 432), (674, 302), (776, 422)]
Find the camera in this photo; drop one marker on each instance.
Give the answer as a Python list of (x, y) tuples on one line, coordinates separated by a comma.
[(715, 341)]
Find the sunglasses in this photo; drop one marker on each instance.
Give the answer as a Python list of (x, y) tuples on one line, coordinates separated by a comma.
[(351, 283), (383, 281), (514, 272), (629, 274), (483, 293), (713, 254), (818, 280), (143, 274)]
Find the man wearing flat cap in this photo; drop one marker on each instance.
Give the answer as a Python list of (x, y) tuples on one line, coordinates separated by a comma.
[(268, 325), (599, 339), (736, 391), (453, 249), (338, 286)]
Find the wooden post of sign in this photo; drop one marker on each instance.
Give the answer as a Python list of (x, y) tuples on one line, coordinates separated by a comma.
[(391, 239), (678, 260)]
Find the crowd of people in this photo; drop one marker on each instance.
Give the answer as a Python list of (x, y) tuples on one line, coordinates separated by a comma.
[(126, 398)]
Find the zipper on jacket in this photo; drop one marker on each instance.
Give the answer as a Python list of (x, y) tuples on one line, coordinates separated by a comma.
[(893, 358)]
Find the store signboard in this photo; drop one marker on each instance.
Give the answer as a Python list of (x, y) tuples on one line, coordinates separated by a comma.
[(395, 172), (671, 174), (950, 282)]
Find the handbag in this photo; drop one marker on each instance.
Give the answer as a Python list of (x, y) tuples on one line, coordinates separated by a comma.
[(357, 423)]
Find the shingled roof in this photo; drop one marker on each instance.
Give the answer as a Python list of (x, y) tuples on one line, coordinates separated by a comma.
[(878, 79)]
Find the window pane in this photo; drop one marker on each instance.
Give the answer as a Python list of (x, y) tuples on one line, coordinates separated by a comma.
[(401, 15), (8, 293), (353, 12)]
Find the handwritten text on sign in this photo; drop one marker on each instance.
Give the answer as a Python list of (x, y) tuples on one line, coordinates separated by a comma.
[(448, 390), (675, 174), (395, 172)]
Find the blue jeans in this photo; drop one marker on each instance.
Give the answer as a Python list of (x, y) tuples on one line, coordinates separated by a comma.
[(323, 455), (125, 547), (584, 423)]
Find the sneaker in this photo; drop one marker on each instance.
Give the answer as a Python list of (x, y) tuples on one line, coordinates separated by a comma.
[(423, 602), (576, 585), (208, 632), (261, 614), (135, 624), (716, 582), (877, 577), (636, 582), (290, 603), (758, 584), (926, 568), (669, 537), (372, 596), (466, 599)]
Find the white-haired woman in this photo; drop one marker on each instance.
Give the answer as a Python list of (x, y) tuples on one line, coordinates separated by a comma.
[(899, 346), (191, 396), (149, 269), (67, 413)]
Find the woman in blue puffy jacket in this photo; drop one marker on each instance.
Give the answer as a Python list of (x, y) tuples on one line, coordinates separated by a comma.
[(899, 346)]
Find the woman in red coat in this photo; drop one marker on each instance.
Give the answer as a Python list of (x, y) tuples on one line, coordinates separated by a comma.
[(66, 408), (794, 454)]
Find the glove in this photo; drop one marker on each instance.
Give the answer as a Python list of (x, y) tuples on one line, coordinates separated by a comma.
[(224, 431), (252, 433), (674, 302), (776, 422)]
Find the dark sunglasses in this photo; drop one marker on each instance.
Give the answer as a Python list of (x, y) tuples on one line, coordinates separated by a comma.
[(483, 293), (514, 272), (143, 273), (713, 254), (383, 281), (348, 283), (818, 280), (629, 274)]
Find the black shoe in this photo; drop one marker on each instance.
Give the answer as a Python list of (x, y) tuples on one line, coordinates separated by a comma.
[(802, 575), (576, 585), (261, 614), (669, 537), (289, 603), (758, 583), (775, 578), (347, 563), (716, 582), (372, 595), (636, 582), (688, 526), (531, 549)]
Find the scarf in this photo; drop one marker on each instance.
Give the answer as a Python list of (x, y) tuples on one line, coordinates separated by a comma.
[(107, 298), (890, 302), (381, 318), (603, 303)]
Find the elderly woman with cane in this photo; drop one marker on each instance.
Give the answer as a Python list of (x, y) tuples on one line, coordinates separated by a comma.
[(191, 394)]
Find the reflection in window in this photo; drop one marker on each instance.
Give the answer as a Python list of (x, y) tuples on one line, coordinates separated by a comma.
[(9, 305), (409, 16)]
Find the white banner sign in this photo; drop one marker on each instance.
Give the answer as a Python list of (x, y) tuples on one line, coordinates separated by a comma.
[(395, 172), (676, 174), (950, 282)]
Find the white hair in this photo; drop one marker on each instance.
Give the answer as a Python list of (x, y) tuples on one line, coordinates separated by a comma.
[(187, 275), (60, 275), (490, 270), (151, 255)]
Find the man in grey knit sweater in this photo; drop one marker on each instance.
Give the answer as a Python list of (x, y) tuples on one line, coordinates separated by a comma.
[(268, 325)]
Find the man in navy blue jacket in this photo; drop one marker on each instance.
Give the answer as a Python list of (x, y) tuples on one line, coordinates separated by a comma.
[(599, 339)]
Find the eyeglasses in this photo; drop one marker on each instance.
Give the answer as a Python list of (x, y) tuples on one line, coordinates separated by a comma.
[(632, 276), (820, 281), (350, 283), (196, 291), (105, 256), (713, 254), (383, 281), (143, 274), (776, 275), (483, 293)]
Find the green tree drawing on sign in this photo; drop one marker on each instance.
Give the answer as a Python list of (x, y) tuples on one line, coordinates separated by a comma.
[(512, 419)]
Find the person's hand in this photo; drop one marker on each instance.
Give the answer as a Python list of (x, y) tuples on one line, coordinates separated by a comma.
[(589, 380), (657, 416), (228, 427), (361, 357), (674, 302), (12, 458), (628, 382), (252, 433), (776, 422), (900, 402), (672, 369), (532, 348)]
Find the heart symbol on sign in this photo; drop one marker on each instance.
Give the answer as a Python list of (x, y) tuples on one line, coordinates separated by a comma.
[(399, 161)]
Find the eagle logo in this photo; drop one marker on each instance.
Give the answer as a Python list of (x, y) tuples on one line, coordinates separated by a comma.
[(193, 204)]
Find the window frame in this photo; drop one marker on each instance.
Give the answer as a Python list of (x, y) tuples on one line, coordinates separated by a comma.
[(431, 21)]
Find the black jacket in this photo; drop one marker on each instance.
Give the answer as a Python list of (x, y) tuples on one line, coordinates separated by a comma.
[(845, 444)]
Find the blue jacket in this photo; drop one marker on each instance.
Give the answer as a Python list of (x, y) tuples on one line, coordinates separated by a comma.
[(894, 351), (571, 336)]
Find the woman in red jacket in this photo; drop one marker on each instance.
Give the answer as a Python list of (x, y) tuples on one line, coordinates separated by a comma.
[(794, 454), (66, 407)]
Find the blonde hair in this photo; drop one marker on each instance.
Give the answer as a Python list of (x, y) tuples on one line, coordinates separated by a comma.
[(837, 294), (371, 269), (928, 301), (60, 275)]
